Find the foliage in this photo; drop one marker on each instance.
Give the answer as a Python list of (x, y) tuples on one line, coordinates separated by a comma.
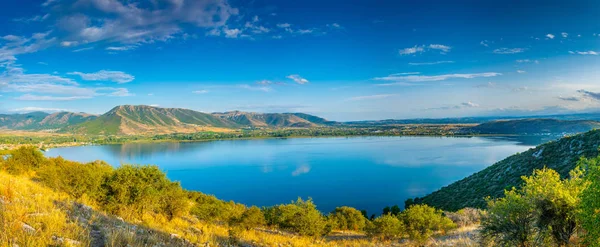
[(385, 227), (209, 208), (394, 210), (299, 216), (74, 178), (544, 209), (347, 218), (174, 201), (590, 202), (423, 221), (24, 159), (465, 216), (251, 218), (132, 190)]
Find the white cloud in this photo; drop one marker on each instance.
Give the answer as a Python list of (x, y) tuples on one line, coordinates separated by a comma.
[(550, 36), (253, 88), (484, 43), (297, 78), (33, 97), (509, 50), (200, 91), (423, 48), (527, 61), (334, 26), (431, 63), (371, 97), (521, 71), (595, 53), (34, 108), (463, 105), (121, 48), (105, 75), (83, 49), (284, 25), (232, 33), (425, 78), (564, 35), (469, 104), (69, 43)]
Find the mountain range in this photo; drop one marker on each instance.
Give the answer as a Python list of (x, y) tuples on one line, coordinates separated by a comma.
[(142, 119)]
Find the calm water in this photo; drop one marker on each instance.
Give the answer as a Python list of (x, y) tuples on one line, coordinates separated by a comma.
[(363, 172)]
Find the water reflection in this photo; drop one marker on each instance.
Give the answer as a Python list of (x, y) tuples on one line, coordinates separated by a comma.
[(364, 172)]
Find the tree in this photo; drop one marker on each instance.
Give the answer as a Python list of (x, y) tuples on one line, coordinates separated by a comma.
[(422, 221), (251, 218), (174, 201), (299, 216), (510, 220), (347, 218), (24, 159), (385, 227), (589, 215), (74, 178)]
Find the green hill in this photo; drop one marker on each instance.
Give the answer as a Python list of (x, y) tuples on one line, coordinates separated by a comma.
[(561, 155), (42, 120), (534, 126), (129, 119)]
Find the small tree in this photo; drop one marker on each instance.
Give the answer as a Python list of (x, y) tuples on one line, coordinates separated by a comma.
[(589, 215), (348, 218), (385, 227), (510, 220), (300, 216), (423, 221), (174, 201), (24, 159), (251, 218)]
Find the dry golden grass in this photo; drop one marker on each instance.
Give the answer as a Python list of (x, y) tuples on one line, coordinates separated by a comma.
[(32, 215)]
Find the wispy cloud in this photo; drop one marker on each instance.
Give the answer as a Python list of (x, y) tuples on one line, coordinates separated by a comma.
[(32, 97), (421, 48), (521, 71), (569, 98), (430, 63), (595, 53), (509, 50), (463, 105), (83, 49), (297, 78), (200, 91), (425, 78), (564, 35), (121, 48), (588, 94), (371, 97), (527, 61), (34, 108), (105, 75), (550, 36)]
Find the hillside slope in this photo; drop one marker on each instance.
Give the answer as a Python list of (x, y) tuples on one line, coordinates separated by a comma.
[(534, 126), (141, 119), (42, 120), (561, 155)]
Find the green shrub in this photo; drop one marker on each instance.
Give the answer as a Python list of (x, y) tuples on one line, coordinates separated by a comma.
[(74, 178), (133, 190), (24, 159), (300, 216), (209, 208), (251, 218), (347, 218), (510, 220), (174, 201), (385, 227), (589, 215), (422, 221)]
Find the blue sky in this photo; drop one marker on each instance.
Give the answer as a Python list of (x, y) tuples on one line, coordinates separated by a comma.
[(342, 60)]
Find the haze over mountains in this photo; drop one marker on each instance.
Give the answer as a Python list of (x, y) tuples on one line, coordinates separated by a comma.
[(142, 119)]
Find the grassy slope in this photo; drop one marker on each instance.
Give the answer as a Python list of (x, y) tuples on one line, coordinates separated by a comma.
[(561, 155), (57, 220)]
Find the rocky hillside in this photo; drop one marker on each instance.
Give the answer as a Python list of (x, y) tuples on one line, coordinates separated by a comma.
[(534, 126), (129, 119), (561, 155), (42, 120)]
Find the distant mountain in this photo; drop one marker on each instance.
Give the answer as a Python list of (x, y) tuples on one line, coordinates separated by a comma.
[(129, 119), (561, 155), (534, 126), (42, 120), (272, 119)]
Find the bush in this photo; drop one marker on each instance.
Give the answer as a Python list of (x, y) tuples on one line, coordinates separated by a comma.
[(465, 216), (385, 227), (300, 216), (209, 208), (422, 221), (133, 190), (74, 178), (590, 202), (174, 201), (509, 220), (251, 218), (24, 159), (347, 218)]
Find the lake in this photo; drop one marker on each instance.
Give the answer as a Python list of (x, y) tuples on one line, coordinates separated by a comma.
[(363, 172)]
